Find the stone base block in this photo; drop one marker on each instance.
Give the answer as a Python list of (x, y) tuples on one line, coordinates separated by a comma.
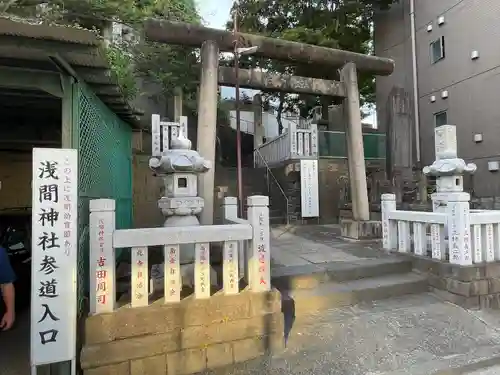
[(361, 230), (183, 338), (476, 286)]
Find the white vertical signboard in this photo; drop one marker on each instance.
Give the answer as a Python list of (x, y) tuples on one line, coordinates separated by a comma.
[(54, 256), (309, 193)]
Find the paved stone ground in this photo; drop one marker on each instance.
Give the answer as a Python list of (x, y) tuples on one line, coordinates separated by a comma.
[(495, 370), (316, 244), (413, 335)]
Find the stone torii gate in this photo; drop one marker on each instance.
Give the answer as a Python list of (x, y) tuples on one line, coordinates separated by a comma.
[(213, 41)]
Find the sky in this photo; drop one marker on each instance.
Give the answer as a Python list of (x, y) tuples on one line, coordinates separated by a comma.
[(215, 12)]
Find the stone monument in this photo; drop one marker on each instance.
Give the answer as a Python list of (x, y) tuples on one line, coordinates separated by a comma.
[(179, 166)]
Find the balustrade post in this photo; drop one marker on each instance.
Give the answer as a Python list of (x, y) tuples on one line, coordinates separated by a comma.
[(389, 227), (172, 277), (300, 143), (477, 243), (140, 277), (230, 272), (292, 134), (183, 121), (230, 207), (307, 144), (259, 257), (102, 256), (202, 271), (438, 246), (231, 211), (165, 131), (459, 228), (155, 135), (314, 140)]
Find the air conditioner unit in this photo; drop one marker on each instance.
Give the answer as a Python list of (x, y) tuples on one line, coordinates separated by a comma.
[(493, 166)]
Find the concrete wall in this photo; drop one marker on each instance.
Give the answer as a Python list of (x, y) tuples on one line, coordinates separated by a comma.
[(392, 39), (15, 180), (333, 186), (147, 189), (150, 99), (473, 85), (331, 183), (184, 338)]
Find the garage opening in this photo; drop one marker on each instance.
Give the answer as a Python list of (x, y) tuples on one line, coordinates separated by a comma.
[(29, 118)]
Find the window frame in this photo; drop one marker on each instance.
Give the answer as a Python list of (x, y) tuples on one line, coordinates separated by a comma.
[(440, 40), (436, 114)]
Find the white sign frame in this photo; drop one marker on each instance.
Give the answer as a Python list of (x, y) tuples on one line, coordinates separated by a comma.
[(309, 191), (54, 195)]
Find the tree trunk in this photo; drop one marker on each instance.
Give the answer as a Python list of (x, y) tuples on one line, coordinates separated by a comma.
[(184, 34)]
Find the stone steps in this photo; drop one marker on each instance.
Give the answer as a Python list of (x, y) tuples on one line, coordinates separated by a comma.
[(276, 216), (310, 276), (320, 286), (331, 294)]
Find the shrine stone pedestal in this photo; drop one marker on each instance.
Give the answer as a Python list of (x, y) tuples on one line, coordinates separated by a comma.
[(360, 230)]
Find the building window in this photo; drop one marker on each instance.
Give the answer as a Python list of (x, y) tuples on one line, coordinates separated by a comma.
[(441, 118), (437, 50)]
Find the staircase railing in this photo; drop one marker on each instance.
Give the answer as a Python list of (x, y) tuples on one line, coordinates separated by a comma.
[(270, 173)]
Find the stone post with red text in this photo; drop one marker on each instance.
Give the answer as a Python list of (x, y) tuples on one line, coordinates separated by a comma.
[(102, 256), (259, 257)]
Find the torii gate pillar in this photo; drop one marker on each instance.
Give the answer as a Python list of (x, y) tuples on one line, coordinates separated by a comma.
[(207, 125)]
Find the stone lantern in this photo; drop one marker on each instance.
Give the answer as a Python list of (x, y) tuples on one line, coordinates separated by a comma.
[(450, 197), (447, 168), (179, 167)]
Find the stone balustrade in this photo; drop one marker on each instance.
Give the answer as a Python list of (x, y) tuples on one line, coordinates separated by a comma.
[(294, 144), (407, 231), (457, 247), (163, 132), (247, 240)]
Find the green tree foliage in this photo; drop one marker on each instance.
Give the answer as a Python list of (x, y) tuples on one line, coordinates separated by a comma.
[(343, 24), (171, 66)]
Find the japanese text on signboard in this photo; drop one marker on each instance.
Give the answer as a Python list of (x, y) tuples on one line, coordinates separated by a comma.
[(54, 255)]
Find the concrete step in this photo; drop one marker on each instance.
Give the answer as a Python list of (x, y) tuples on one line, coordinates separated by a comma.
[(277, 220), (310, 276), (334, 295)]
